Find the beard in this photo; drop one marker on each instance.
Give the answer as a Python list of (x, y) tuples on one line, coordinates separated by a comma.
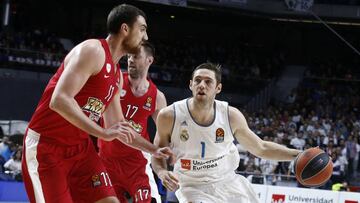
[(130, 47), (133, 73)]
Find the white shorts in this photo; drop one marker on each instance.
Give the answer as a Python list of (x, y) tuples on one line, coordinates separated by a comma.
[(235, 190)]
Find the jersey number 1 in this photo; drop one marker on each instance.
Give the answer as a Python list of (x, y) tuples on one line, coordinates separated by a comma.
[(202, 149)]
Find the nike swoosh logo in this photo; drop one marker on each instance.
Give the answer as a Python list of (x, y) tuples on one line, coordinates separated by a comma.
[(106, 76)]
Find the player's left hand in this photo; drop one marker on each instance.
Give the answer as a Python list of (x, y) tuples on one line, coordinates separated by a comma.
[(164, 153)]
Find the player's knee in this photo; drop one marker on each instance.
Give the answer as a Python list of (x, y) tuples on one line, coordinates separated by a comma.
[(108, 200)]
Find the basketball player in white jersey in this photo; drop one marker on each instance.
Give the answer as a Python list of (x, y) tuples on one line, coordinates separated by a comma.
[(201, 130)]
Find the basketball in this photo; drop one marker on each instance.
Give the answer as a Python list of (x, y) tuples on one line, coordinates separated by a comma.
[(313, 167)]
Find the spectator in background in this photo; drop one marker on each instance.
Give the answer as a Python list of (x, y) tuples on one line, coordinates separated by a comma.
[(343, 161), (336, 176), (5, 149), (298, 142), (351, 153), (291, 98), (13, 165), (268, 168)]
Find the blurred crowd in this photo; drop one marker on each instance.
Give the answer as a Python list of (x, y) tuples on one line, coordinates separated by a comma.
[(324, 113), (10, 157), (335, 70), (40, 40), (241, 63), (340, 2), (31, 49)]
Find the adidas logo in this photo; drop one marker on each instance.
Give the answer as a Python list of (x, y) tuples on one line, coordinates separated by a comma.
[(183, 123)]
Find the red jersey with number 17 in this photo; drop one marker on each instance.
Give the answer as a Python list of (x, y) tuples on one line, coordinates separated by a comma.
[(93, 99), (136, 111)]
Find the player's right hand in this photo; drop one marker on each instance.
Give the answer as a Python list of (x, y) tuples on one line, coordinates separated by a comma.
[(169, 180), (122, 131)]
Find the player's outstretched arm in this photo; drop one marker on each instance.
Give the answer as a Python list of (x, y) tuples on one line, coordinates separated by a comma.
[(251, 142), (85, 60), (164, 123)]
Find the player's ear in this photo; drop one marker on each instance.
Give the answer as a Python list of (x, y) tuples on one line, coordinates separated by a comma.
[(150, 59), (124, 28), (218, 88), (190, 85)]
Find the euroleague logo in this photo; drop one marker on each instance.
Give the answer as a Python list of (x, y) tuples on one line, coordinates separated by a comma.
[(147, 104), (96, 180), (277, 198), (220, 134)]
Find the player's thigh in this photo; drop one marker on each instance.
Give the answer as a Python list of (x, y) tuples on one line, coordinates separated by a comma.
[(118, 179), (236, 189), (140, 189), (44, 172), (196, 195), (89, 180), (141, 194), (108, 200)]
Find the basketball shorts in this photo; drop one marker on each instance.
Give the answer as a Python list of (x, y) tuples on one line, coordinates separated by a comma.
[(55, 173), (234, 190), (133, 175)]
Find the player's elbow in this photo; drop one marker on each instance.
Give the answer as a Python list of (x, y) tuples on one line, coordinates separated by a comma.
[(56, 102), (261, 150)]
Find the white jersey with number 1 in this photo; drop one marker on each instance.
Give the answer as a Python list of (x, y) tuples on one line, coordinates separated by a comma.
[(204, 153), (207, 158)]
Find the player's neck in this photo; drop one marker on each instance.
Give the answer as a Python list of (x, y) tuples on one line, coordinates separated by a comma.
[(202, 112), (139, 86), (116, 49)]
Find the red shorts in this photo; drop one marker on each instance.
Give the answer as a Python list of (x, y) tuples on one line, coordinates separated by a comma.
[(131, 174), (55, 173)]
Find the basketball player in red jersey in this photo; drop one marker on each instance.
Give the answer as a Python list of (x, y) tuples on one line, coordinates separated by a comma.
[(129, 168), (60, 163)]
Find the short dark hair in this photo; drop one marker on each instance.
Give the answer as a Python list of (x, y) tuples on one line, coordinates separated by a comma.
[(210, 66), (120, 14), (149, 48)]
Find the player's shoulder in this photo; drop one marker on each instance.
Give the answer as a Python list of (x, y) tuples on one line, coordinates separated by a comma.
[(235, 113), (160, 94), (91, 45), (167, 112), (91, 49), (90, 52)]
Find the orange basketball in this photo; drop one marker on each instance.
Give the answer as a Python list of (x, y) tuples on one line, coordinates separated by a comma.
[(313, 167)]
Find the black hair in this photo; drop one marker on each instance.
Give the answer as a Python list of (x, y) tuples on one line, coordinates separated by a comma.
[(210, 66), (149, 48), (120, 14)]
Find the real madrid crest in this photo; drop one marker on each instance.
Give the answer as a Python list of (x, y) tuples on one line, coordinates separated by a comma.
[(220, 134), (184, 135)]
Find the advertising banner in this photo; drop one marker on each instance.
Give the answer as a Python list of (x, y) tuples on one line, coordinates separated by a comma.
[(349, 197), (276, 194)]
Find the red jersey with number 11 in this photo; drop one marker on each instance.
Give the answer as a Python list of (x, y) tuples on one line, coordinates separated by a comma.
[(93, 99)]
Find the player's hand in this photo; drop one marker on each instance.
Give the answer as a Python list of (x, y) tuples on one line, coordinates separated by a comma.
[(169, 180), (163, 153), (127, 134), (121, 131)]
